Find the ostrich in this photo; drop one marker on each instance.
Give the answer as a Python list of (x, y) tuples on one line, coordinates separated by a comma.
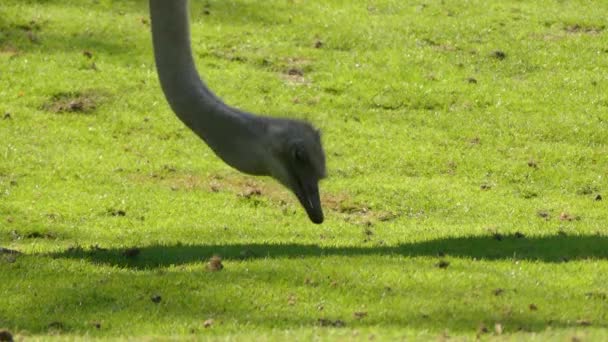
[(288, 150)]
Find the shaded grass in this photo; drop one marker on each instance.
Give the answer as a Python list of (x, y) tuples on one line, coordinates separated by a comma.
[(552, 249), (466, 149)]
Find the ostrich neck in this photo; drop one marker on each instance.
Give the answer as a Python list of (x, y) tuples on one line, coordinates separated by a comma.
[(235, 136)]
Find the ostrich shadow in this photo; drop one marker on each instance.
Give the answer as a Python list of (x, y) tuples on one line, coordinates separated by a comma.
[(549, 249)]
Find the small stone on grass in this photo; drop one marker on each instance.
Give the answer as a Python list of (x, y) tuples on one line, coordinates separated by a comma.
[(215, 264)]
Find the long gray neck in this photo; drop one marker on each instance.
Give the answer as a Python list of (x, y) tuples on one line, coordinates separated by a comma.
[(233, 135)]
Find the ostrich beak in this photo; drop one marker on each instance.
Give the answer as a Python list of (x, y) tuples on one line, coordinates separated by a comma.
[(307, 192)]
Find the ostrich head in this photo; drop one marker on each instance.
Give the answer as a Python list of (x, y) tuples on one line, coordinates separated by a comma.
[(297, 161)]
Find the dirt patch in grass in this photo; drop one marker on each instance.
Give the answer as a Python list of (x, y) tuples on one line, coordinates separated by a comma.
[(32, 25), (360, 314), (293, 70), (498, 54), (497, 292), (584, 28), (215, 264), (256, 189), (294, 77), (16, 235), (56, 327), (439, 46), (597, 295), (74, 102), (442, 264), (116, 212), (324, 322), (352, 211), (9, 50)]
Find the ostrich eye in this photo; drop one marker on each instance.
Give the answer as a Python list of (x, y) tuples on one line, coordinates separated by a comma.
[(299, 155)]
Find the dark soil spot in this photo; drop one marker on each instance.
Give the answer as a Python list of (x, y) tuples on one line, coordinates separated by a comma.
[(543, 213), (519, 235), (295, 72), (590, 29), (156, 299), (96, 325), (73, 102), (583, 322), (497, 292), (56, 326), (40, 235), (324, 322), (8, 251), (482, 329), (96, 248), (360, 314), (131, 252), (564, 216), (215, 264), (169, 168), (587, 190), (443, 264), (472, 80), (596, 295), (498, 54), (6, 336), (251, 192), (387, 216), (533, 307), (116, 212), (30, 26), (310, 282)]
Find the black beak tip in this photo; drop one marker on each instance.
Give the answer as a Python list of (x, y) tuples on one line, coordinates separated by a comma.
[(316, 218), (310, 200)]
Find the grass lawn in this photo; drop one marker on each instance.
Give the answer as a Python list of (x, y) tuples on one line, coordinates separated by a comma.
[(467, 151)]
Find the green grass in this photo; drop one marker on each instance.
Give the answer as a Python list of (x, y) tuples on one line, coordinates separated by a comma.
[(471, 135)]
